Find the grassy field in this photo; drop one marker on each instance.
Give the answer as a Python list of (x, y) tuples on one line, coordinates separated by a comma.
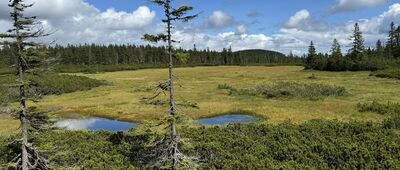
[(8, 126), (122, 98)]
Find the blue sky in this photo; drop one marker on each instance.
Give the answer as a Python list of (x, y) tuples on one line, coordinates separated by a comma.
[(281, 25), (272, 14)]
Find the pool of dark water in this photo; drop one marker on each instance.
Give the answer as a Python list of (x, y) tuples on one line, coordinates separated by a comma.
[(229, 119), (95, 124)]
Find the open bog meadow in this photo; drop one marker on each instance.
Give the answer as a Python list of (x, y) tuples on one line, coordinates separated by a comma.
[(199, 94)]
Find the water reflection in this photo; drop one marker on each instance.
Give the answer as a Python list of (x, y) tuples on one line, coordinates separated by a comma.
[(95, 124), (228, 119)]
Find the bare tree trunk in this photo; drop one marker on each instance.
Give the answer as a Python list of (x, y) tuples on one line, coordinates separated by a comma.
[(174, 134), (22, 100)]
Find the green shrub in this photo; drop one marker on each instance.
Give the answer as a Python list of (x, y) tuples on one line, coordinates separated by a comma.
[(315, 144), (380, 108), (290, 90), (45, 85), (388, 73), (101, 68), (81, 150), (225, 87), (312, 145), (393, 122), (59, 84)]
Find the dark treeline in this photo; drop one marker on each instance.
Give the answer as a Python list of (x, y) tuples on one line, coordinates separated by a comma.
[(149, 55), (358, 57)]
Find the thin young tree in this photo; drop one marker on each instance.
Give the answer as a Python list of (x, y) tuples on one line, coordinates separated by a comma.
[(19, 38), (171, 15)]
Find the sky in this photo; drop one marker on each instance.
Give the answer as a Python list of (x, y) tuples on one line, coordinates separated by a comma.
[(284, 25)]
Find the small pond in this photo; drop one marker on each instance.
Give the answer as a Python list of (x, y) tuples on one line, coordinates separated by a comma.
[(95, 124), (229, 119)]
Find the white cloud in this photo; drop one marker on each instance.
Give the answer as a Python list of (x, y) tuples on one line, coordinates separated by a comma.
[(298, 18), (298, 36), (75, 124), (351, 5), (76, 21), (224, 40), (219, 19), (241, 29), (138, 19)]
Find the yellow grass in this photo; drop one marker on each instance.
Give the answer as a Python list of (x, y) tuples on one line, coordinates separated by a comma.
[(8, 126), (121, 99)]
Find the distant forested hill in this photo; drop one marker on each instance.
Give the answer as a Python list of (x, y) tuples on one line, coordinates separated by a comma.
[(150, 55)]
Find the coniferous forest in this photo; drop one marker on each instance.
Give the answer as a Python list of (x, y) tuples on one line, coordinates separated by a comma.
[(359, 57), (151, 55)]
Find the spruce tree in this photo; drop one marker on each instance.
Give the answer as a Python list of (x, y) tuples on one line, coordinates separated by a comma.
[(335, 60), (171, 15), (397, 43), (390, 45), (357, 48), (19, 38), (311, 56), (379, 49)]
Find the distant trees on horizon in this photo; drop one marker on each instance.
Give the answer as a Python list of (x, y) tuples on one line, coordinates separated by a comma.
[(358, 57), (92, 54)]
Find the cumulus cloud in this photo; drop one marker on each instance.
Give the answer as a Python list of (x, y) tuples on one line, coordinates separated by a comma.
[(298, 18), (225, 40), (138, 19), (76, 21), (304, 21), (298, 37), (73, 124), (351, 5), (219, 19), (241, 29), (295, 35)]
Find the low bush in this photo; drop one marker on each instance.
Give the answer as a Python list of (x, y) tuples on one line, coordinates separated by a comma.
[(380, 108), (225, 87), (312, 145), (316, 144), (393, 122), (101, 68), (388, 73), (45, 85), (59, 84), (289, 90)]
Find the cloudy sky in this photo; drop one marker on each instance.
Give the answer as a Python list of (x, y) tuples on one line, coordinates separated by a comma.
[(284, 25)]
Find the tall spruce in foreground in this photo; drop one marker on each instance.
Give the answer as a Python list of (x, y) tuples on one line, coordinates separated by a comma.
[(171, 15), (357, 47), (19, 39)]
